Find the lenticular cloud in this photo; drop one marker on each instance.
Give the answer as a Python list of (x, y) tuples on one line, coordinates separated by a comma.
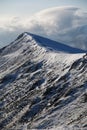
[(64, 24)]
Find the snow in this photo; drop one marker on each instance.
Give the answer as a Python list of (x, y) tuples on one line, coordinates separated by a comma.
[(43, 85)]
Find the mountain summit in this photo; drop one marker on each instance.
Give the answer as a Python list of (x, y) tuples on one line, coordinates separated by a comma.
[(53, 45), (43, 85)]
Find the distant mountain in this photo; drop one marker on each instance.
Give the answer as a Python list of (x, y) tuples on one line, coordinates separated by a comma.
[(48, 44), (43, 85)]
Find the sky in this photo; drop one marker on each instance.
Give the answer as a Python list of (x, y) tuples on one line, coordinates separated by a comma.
[(24, 8), (15, 14)]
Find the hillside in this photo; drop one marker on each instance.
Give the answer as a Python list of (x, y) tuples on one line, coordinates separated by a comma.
[(43, 85)]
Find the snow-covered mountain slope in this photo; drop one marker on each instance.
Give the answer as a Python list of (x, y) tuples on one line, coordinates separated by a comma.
[(43, 84)]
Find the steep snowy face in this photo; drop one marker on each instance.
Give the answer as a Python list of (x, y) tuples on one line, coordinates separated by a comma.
[(43, 84)]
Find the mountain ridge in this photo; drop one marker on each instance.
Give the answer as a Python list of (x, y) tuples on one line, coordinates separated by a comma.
[(53, 44)]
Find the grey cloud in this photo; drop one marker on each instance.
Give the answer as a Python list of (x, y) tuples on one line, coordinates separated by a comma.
[(65, 24)]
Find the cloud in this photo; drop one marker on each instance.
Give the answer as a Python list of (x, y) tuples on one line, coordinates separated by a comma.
[(64, 24)]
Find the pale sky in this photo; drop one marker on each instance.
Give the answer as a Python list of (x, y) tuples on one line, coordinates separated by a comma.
[(28, 7)]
